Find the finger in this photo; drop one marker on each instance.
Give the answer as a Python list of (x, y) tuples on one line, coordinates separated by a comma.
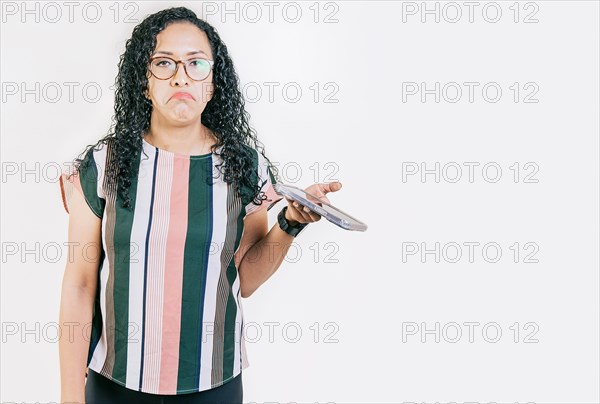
[(314, 216), (292, 204), (319, 198), (296, 214), (331, 186), (303, 212), (316, 199), (309, 214)]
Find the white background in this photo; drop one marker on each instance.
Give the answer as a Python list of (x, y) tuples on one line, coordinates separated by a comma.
[(370, 294)]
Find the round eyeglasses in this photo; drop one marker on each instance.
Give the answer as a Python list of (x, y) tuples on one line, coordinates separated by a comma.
[(163, 68)]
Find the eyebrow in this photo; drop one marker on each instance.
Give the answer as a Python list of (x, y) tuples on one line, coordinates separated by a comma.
[(187, 54)]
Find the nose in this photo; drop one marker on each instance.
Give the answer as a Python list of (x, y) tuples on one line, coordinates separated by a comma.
[(180, 77)]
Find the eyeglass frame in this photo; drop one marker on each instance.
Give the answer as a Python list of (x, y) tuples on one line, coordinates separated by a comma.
[(210, 62)]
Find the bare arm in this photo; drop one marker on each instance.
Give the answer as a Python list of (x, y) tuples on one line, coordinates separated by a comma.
[(260, 253), (77, 298)]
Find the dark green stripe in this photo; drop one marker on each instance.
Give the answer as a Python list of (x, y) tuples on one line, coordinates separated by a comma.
[(122, 239), (197, 244), (89, 182), (231, 274), (229, 329), (97, 315), (246, 192)]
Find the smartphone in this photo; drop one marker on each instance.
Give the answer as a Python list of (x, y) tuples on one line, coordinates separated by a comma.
[(319, 206)]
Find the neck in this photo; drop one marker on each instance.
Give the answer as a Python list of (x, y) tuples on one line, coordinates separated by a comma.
[(191, 139)]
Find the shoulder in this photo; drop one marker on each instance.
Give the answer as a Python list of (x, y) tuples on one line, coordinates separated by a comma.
[(261, 168), (263, 179), (92, 166), (250, 152), (87, 179), (97, 153)]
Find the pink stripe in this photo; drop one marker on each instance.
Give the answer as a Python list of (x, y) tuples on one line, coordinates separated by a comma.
[(156, 268), (174, 277), (272, 197)]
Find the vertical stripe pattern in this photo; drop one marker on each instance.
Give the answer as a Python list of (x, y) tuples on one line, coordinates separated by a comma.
[(168, 317)]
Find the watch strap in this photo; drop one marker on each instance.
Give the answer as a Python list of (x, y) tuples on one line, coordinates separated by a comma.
[(286, 226)]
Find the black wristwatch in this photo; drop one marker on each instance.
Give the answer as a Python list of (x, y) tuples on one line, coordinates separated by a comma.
[(287, 227)]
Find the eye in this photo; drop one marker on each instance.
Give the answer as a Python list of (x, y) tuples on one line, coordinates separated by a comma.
[(198, 63), (163, 62)]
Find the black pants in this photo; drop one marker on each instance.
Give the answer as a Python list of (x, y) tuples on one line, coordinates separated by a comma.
[(101, 390)]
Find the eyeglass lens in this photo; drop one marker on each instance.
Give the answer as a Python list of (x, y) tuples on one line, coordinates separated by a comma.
[(164, 68)]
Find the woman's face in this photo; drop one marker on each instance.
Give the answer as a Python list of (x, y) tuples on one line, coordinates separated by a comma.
[(180, 41)]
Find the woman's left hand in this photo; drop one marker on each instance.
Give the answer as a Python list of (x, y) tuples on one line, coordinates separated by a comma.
[(297, 213)]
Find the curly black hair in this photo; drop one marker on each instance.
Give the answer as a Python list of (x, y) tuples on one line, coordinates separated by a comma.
[(224, 115)]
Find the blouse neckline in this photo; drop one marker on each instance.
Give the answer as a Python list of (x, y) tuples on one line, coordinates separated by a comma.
[(174, 154)]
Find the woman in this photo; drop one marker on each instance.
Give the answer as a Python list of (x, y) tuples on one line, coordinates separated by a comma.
[(168, 228)]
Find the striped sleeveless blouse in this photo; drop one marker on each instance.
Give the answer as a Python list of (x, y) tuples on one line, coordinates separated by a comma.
[(168, 316)]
